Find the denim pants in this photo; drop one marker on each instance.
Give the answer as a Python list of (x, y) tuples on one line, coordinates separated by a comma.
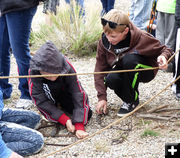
[(17, 130), (140, 12), (15, 30), (107, 5), (81, 4)]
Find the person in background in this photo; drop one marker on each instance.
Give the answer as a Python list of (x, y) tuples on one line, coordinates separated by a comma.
[(165, 27), (123, 46), (107, 6), (140, 12), (50, 5), (176, 86), (60, 99), (17, 135), (15, 23), (79, 3)]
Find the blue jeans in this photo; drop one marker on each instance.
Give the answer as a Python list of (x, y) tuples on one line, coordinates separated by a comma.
[(81, 4), (140, 12), (16, 128), (14, 34), (107, 5)]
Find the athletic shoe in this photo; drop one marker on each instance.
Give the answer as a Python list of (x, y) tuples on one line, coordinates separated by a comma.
[(127, 107), (24, 104)]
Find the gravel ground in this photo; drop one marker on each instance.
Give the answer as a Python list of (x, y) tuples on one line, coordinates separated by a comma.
[(101, 145), (129, 130)]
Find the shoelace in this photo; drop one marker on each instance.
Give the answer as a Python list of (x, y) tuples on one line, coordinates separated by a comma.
[(126, 106)]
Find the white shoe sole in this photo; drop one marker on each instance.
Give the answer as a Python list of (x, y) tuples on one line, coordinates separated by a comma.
[(121, 115)]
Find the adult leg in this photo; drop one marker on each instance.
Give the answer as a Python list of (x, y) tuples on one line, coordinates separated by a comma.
[(110, 4), (104, 6), (4, 58), (169, 30), (20, 139), (53, 6), (141, 10), (146, 13), (160, 27), (19, 40), (80, 3), (131, 10), (67, 1)]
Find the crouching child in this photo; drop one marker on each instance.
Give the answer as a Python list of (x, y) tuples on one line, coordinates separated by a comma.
[(125, 47), (58, 96)]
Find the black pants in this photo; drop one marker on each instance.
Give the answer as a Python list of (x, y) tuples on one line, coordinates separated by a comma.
[(125, 84)]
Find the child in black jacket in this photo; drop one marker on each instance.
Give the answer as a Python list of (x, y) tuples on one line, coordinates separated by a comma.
[(66, 92)]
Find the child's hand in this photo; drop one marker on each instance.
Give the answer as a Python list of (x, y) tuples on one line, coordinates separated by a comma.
[(101, 107), (70, 126), (162, 61), (81, 134)]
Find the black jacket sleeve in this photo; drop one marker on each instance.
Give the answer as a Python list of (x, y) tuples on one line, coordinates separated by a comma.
[(79, 98), (45, 105)]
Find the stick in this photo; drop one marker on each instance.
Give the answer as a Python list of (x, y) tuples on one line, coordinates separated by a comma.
[(168, 109), (57, 144), (157, 108), (150, 116)]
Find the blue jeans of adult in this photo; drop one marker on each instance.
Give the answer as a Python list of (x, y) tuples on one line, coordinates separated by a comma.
[(14, 34), (81, 4), (107, 5), (17, 130), (140, 12)]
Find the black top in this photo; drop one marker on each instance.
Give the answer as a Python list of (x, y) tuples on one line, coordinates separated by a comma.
[(7, 6)]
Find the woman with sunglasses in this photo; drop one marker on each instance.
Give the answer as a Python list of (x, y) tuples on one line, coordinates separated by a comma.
[(125, 47)]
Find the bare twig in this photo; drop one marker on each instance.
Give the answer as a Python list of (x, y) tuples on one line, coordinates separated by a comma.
[(157, 108), (168, 109), (53, 144), (150, 116), (59, 135)]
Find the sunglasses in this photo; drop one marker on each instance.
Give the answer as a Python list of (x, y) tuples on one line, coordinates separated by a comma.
[(112, 25)]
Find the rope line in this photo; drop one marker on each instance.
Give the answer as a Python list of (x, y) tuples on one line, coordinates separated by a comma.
[(113, 123), (73, 74), (88, 73)]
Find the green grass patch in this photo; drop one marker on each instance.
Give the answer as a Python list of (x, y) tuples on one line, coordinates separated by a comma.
[(151, 133)]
